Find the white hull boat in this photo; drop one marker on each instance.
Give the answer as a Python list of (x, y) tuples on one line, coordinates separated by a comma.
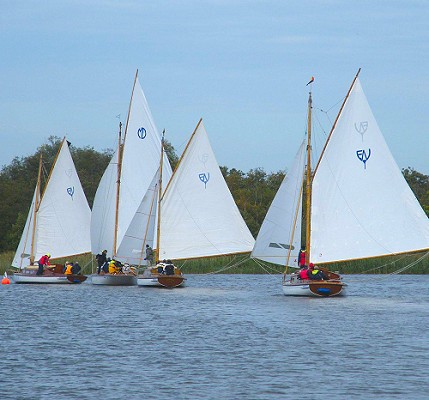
[(114, 280), (58, 223), (313, 288), (52, 275)]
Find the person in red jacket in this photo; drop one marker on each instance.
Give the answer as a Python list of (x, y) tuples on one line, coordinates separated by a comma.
[(44, 261), (303, 274), (301, 258)]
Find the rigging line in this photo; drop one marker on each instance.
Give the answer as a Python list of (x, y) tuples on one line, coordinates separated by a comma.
[(265, 266), (242, 261), (398, 271), (410, 265), (385, 265)]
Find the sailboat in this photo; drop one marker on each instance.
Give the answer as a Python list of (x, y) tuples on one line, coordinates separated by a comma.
[(57, 223), (196, 217), (357, 203), (122, 189)]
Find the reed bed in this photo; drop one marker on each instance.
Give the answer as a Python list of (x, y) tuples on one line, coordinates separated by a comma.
[(242, 264)]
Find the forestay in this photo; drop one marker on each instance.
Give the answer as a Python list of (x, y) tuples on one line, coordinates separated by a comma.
[(362, 206), (199, 217)]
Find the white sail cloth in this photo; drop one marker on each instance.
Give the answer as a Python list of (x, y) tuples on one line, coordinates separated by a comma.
[(199, 217), (281, 228), (140, 161), (63, 216), (362, 206), (141, 231)]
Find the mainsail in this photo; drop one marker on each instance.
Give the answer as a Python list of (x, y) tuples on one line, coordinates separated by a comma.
[(279, 238), (199, 217), (362, 206), (62, 217), (140, 161)]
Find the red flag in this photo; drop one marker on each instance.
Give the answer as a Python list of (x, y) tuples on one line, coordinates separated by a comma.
[(311, 81)]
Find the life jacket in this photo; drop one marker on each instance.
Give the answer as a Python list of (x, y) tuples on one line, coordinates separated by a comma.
[(303, 274), (68, 270), (112, 268)]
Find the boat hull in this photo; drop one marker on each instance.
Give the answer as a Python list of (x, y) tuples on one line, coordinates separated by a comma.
[(167, 281), (314, 289), (114, 279), (47, 279)]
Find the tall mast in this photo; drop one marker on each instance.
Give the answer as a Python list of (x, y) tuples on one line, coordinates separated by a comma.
[(308, 184), (36, 207), (158, 225), (118, 190), (120, 154)]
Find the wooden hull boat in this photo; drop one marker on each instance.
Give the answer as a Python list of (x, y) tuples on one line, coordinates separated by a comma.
[(151, 277), (52, 275), (332, 286)]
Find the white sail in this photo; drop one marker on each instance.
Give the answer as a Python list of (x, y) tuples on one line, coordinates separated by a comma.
[(281, 228), (199, 216), (362, 206), (63, 216), (23, 252), (140, 161), (104, 208), (142, 228)]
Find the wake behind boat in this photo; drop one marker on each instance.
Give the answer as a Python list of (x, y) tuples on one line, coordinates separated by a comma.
[(58, 222)]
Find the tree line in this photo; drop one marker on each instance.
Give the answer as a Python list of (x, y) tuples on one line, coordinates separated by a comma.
[(253, 191)]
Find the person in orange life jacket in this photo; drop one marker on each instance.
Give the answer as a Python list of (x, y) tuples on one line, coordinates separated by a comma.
[(303, 274), (315, 273), (44, 261), (301, 258), (68, 267)]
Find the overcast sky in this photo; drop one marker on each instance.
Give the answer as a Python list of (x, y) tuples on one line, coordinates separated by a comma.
[(67, 68)]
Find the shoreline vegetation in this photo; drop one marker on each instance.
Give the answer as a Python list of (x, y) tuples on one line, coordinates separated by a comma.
[(416, 263), (253, 192)]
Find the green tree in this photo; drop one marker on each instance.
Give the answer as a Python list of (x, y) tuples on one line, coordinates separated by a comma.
[(419, 184)]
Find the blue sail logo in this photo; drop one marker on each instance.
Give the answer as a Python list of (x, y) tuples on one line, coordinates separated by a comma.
[(204, 178), (70, 191), (141, 133), (363, 156)]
